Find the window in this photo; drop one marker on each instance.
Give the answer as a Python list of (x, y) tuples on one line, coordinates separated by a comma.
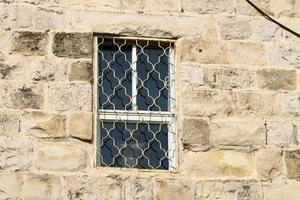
[(135, 103)]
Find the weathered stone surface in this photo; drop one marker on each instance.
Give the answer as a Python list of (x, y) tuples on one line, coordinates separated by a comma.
[(77, 97), (37, 2), (15, 153), (9, 123), (195, 133), (81, 125), (153, 5), (174, 190), (139, 189), (269, 163), (29, 43), (203, 51), (276, 79), (228, 78), (239, 53), (285, 8), (111, 187), (207, 6), (15, 16), (290, 105), (95, 4), (237, 132), (61, 156), (8, 72), (243, 190), (242, 7), (79, 187), (265, 30), (235, 28), (281, 191), (10, 185), (52, 18), (280, 133), (284, 55), (192, 75), (209, 190), (44, 124), (81, 71), (292, 160), (74, 45), (219, 164), (46, 187)]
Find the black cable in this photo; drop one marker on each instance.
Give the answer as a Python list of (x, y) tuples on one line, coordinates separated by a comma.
[(272, 20)]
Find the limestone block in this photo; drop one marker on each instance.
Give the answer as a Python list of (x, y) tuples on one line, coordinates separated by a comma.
[(286, 55), (61, 156), (290, 105), (228, 78), (8, 72), (15, 16), (174, 190), (203, 51), (285, 8), (79, 188), (44, 124), (29, 43), (265, 30), (238, 132), (276, 79), (52, 18), (81, 125), (73, 45), (153, 6), (219, 164), (95, 4), (81, 71), (243, 190), (296, 124), (192, 75), (9, 123), (269, 163), (139, 189), (242, 7), (292, 160), (111, 187), (5, 45), (235, 28), (37, 2), (209, 190), (46, 187), (281, 191), (280, 133), (207, 6), (195, 134), (15, 153), (74, 96), (10, 185), (247, 53)]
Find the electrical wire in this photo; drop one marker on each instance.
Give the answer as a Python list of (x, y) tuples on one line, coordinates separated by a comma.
[(272, 20)]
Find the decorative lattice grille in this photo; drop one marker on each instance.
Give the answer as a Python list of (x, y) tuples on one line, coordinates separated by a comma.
[(135, 103)]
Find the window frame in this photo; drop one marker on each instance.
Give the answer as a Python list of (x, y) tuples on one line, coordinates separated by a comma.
[(137, 115)]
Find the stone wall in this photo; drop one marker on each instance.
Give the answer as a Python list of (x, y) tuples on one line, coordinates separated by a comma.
[(238, 99)]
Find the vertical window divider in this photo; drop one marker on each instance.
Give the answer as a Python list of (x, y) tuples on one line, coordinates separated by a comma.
[(134, 77)]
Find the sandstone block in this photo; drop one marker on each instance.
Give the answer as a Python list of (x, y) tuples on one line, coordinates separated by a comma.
[(15, 16), (265, 30), (269, 163), (192, 75), (237, 132), (290, 105), (73, 45), (139, 189), (44, 124), (61, 156), (219, 164), (242, 7), (196, 133), (276, 79), (29, 43), (77, 97), (81, 125), (284, 55), (281, 191), (292, 160), (235, 28), (243, 190), (247, 53), (207, 6), (203, 51), (10, 185), (15, 153), (46, 187), (79, 187), (8, 72), (280, 133), (81, 71), (50, 19), (153, 6), (174, 190), (9, 123), (285, 8), (95, 4), (111, 187), (209, 190)]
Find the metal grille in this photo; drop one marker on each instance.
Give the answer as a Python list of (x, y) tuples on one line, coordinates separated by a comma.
[(135, 103)]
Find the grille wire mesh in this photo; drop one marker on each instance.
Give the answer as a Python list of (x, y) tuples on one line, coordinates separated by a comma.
[(135, 108)]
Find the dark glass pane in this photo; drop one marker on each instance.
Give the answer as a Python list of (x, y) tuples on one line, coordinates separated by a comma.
[(114, 80)]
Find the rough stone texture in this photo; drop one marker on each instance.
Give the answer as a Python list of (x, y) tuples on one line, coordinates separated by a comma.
[(76, 97), (242, 7), (243, 190), (290, 105), (265, 30), (269, 163), (81, 125), (44, 125), (8, 72), (111, 187), (219, 164), (15, 153), (207, 6), (285, 8), (61, 156), (139, 189), (235, 28), (280, 133), (283, 54), (74, 45), (10, 185), (276, 79), (237, 132), (44, 186), (153, 5), (29, 43), (195, 133), (81, 71), (15, 16), (9, 123), (292, 160), (281, 191), (209, 190), (192, 75), (79, 187), (174, 190)]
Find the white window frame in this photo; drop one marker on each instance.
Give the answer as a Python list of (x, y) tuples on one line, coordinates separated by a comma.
[(138, 115)]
